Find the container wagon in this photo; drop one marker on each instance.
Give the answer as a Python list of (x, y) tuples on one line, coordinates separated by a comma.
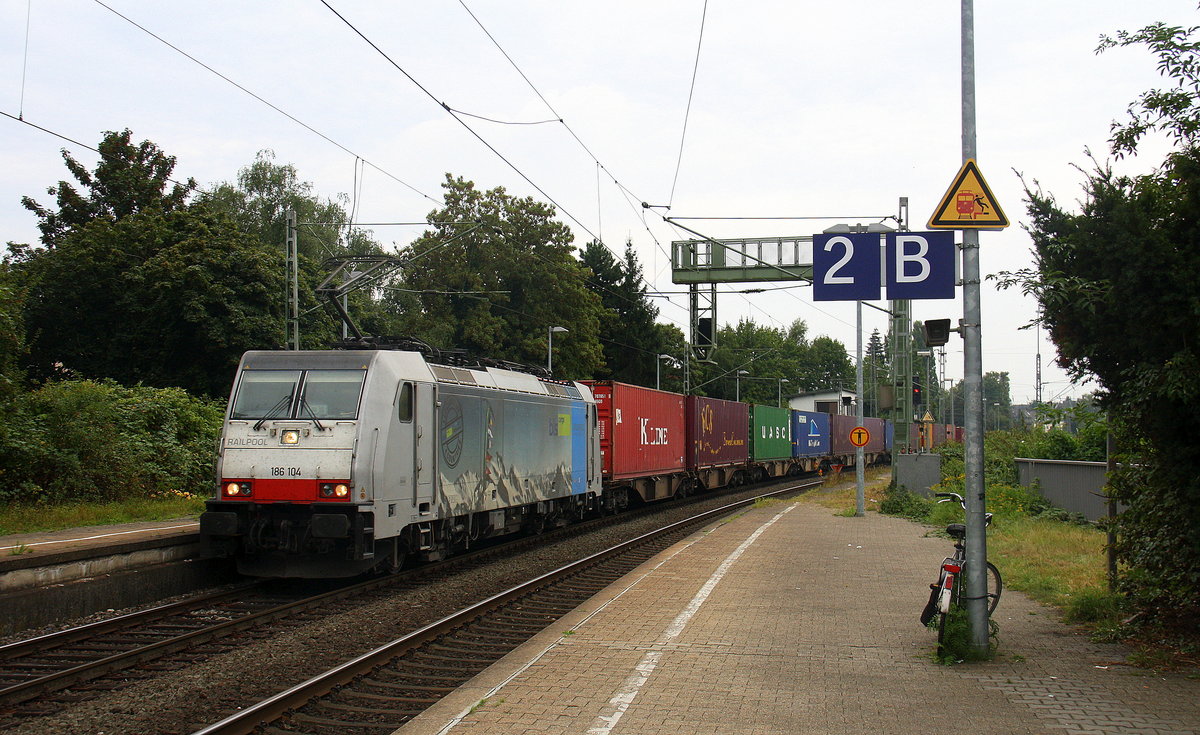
[(642, 440), (810, 439), (770, 441), (718, 441)]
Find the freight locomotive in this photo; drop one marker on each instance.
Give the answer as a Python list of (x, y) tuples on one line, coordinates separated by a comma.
[(333, 463)]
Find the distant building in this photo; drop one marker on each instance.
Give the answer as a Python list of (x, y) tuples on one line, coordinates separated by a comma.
[(836, 401)]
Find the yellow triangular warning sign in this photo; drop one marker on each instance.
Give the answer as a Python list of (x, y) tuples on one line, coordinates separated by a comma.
[(968, 204)]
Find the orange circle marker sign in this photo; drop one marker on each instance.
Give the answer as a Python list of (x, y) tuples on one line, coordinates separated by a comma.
[(859, 436)]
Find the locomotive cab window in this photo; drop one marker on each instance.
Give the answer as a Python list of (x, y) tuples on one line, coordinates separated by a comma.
[(404, 404), (265, 393), (331, 394), (323, 394)]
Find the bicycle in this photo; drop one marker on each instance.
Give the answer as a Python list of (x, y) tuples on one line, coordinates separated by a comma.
[(945, 594)]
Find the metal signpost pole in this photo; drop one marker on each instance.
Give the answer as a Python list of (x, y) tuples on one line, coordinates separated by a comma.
[(860, 503), (976, 553)]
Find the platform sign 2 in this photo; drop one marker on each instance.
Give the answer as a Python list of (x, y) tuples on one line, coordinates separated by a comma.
[(912, 265), (846, 267)]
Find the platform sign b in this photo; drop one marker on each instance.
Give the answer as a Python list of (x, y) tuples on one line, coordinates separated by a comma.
[(920, 265)]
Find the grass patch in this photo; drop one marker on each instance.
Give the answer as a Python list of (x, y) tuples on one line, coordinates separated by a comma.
[(1061, 564), (838, 494), (19, 518)]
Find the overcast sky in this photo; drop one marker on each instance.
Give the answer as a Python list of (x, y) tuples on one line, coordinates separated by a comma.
[(800, 109)]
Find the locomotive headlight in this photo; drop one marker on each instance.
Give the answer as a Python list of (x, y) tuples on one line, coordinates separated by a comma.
[(291, 436), (330, 490), (237, 489)]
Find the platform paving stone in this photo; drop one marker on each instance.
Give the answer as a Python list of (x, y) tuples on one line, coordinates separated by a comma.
[(789, 619)]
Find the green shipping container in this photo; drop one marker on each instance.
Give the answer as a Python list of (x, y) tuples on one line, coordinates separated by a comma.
[(770, 433)]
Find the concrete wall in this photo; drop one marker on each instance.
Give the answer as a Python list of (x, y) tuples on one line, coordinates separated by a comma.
[(917, 472), (1075, 486)]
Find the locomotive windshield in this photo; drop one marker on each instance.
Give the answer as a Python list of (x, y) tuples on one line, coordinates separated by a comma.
[(323, 394)]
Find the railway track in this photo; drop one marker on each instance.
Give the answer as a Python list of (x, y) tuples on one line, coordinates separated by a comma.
[(383, 689), (40, 675)]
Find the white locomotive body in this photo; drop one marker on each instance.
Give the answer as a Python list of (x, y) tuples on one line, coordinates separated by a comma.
[(335, 462)]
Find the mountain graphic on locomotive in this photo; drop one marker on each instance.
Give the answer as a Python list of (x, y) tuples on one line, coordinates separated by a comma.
[(333, 463)]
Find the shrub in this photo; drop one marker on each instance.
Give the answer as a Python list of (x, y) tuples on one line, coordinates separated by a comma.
[(898, 501), (97, 441)]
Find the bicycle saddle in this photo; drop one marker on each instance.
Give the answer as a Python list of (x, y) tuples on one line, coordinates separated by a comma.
[(957, 530)]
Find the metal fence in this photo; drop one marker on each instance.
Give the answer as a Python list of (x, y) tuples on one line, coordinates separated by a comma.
[(1074, 486)]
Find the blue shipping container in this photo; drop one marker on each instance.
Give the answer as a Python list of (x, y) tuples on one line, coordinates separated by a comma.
[(810, 434)]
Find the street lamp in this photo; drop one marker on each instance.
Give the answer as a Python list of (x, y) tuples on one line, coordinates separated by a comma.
[(658, 370), (996, 415), (781, 382), (550, 348), (737, 383)]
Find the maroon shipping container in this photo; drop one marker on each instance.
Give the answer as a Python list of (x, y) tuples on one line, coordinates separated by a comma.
[(641, 430), (718, 432), (839, 434)]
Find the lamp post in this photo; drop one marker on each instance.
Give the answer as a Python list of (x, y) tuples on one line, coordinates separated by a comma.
[(550, 348), (658, 370), (737, 383), (781, 382)]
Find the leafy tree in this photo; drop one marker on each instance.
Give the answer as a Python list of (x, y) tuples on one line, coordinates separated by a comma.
[(129, 179), (1117, 287), (259, 201), (153, 290), (769, 354), (494, 274), (877, 368), (630, 338), (12, 336)]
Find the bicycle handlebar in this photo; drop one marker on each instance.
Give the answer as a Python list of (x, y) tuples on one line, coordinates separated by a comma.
[(946, 497)]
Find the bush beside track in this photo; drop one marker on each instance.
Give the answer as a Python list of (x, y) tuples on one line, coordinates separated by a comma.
[(94, 441)]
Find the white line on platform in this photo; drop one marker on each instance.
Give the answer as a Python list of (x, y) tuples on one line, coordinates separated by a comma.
[(623, 699), (103, 535)]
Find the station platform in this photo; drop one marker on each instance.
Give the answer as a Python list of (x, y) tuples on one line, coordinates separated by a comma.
[(52, 576), (25, 549), (789, 619)]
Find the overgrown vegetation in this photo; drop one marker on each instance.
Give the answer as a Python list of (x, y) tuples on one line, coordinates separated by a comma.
[(102, 442), (1135, 330)]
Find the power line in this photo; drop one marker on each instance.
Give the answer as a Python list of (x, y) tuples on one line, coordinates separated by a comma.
[(273, 106), (600, 165), (72, 141), (460, 121), (688, 112)]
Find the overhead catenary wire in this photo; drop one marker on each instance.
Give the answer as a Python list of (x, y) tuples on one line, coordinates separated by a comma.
[(263, 100), (688, 112), (479, 137), (188, 184), (599, 164), (457, 118)]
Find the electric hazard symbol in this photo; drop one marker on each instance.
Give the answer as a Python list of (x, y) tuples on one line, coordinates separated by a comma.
[(968, 204)]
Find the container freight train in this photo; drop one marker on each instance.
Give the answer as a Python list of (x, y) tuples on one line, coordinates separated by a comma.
[(334, 463)]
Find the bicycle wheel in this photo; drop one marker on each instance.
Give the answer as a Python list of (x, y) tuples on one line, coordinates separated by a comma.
[(949, 588), (995, 585)]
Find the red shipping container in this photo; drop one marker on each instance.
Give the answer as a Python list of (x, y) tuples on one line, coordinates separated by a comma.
[(641, 430), (839, 433), (718, 432)]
